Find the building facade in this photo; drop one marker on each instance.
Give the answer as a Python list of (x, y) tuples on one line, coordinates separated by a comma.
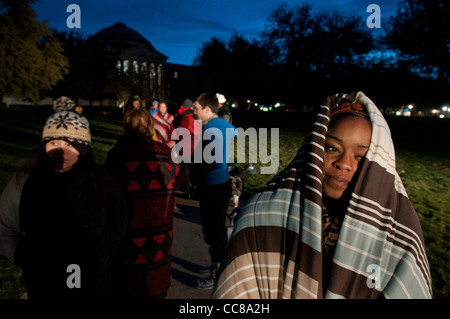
[(140, 69)]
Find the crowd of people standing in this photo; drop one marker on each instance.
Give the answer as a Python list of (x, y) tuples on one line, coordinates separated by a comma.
[(80, 229), (111, 223)]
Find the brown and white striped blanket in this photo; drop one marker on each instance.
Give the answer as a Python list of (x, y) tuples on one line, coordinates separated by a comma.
[(275, 250)]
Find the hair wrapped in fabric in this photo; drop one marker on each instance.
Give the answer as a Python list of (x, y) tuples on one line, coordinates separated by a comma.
[(343, 106)]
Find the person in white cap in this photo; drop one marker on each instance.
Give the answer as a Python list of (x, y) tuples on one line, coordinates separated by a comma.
[(224, 111)]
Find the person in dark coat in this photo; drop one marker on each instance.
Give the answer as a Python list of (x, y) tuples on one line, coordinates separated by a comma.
[(62, 215), (149, 178)]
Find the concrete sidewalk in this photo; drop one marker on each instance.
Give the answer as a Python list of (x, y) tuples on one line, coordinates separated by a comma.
[(189, 250)]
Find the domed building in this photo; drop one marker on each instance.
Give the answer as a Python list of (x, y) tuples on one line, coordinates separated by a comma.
[(140, 69)]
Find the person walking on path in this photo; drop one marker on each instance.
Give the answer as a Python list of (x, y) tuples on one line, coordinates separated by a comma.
[(149, 178), (62, 215), (213, 180)]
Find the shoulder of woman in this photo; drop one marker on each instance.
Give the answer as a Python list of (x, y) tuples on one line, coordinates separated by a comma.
[(13, 189)]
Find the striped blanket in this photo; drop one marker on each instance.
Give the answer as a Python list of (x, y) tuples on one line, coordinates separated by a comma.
[(275, 250)]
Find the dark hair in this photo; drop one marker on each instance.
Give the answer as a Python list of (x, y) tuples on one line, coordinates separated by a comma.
[(139, 122), (336, 118), (209, 99)]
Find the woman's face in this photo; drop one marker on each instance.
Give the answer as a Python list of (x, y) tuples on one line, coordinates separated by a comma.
[(62, 155), (162, 108), (346, 144), (136, 104)]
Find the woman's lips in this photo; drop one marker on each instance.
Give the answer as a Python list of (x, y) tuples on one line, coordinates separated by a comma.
[(339, 182)]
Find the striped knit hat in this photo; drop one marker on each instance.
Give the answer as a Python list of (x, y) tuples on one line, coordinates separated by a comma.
[(67, 125)]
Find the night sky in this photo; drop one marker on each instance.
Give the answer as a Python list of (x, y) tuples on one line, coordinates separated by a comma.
[(177, 28)]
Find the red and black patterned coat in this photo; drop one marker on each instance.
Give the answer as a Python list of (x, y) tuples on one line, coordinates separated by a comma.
[(149, 178)]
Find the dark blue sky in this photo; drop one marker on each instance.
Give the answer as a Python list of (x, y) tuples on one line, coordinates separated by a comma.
[(177, 28)]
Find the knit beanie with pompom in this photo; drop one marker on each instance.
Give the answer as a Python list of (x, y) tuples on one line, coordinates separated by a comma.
[(67, 125)]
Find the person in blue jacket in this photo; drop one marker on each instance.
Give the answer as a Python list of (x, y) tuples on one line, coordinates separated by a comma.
[(213, 180)]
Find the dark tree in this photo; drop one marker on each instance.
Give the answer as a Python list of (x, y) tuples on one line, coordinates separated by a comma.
[(212, 63), (31, 57), (239, 68), (315, 51), (420, 30)]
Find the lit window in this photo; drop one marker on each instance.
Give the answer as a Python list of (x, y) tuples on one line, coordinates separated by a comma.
[(119, 66), (152, 71), (144, 67), (126, 66)]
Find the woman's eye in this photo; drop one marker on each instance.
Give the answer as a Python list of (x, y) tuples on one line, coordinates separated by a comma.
[(331, 148)]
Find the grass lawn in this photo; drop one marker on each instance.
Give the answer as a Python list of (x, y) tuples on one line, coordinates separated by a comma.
[(423, 167)]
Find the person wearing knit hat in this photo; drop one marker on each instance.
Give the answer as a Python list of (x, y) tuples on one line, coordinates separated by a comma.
[(67, 125), (62, 211)]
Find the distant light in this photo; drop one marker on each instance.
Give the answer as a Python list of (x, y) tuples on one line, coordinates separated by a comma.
[(444, 108), (265, 109), (233, 105), (406, 110), (410, 106), (256, 104), (398, 113), (248, 101), (434, 111), (441, 116)]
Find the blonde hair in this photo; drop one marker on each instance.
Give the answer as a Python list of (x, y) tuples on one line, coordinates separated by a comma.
[(139, 122)]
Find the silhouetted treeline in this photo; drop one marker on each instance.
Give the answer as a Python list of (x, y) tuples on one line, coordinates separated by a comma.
[(301, 56)]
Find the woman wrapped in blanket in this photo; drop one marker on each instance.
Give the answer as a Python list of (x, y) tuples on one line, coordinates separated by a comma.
[(335, 223)]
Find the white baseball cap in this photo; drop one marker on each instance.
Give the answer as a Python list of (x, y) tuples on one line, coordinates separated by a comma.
[(221, 98)]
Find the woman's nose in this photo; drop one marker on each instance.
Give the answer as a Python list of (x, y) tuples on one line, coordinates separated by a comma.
[(344, 163)]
